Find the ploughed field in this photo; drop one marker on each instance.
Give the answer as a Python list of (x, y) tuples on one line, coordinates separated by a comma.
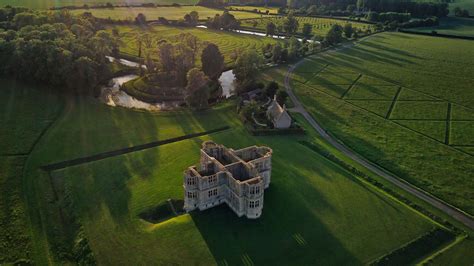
[(404, 102), (228, 42), (45, 4), (315, 211), (168, 12), (320, 25)]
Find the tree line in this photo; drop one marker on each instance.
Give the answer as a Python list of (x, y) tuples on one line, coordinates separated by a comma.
[(55, 48)]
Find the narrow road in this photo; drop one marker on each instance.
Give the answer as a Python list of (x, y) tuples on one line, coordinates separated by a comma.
[(446, 208)]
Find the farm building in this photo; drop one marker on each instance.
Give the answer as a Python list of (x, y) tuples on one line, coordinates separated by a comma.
[(235, 177)]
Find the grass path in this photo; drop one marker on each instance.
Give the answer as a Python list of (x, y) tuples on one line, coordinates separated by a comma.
[(453, 212)]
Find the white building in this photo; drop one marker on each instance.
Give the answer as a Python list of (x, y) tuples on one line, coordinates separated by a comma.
[(278, 115), (235, 177)]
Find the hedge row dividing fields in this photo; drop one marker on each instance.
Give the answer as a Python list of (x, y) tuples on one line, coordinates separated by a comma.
[(440, 120), (320, 25)]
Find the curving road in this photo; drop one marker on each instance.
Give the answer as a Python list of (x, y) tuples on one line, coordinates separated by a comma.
[(445, 207)]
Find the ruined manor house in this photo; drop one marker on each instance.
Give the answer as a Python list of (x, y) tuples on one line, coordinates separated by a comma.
[(235, 177)]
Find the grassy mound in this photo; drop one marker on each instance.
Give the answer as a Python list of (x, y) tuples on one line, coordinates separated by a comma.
[(149, 90)]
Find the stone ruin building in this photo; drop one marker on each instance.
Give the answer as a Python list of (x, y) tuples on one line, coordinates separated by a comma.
[(235, 177)]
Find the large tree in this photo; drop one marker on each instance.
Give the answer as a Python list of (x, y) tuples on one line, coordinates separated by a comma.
[(246, 69), (271, 28), (197, 90), (212, 61), (290, 24)]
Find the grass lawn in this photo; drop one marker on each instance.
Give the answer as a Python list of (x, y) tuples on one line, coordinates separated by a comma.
[(315, 212), (320, 25), (44, 4), (228, 42), (432, 72), (26, 111), (321, 223), (169, 12), (452, 26), (464, 4)]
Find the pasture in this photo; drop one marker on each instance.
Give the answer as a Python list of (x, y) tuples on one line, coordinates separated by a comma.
[(464, 4), (322, 219), (228, 42), (168, 12), (320, 25), (403, 101), (45, 4), (451, 26), (109, 194), (271, 10)]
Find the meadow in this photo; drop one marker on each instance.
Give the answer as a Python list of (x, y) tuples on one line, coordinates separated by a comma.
[(271, 10), (464, 4), (404, 102), (45, 4), (228, 42), (451, 26), (168, 12), (321, 222), (320, 25)]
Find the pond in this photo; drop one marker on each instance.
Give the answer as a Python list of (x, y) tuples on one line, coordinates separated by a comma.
[(113, 96)]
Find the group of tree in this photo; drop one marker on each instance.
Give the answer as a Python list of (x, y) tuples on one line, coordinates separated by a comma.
[(388, 17), (288, 26), (177, 64), (226, 21), (55, 48), (415, 8), (459, 12)]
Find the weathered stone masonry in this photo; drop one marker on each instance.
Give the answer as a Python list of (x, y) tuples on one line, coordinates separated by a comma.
[(235, 177)]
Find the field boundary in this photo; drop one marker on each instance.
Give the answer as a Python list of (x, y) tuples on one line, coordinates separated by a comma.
[(104, 155), (394, 100)]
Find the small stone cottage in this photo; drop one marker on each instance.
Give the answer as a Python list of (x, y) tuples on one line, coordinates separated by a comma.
[(278, 115)]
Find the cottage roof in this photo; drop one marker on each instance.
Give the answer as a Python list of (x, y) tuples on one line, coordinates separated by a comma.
[(275, 111)]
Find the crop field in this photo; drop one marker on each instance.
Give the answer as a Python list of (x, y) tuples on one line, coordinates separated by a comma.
[(403, 101), (228, 42), (320, 25), (168, 12), (452, 26), (105, 197), (45, 4), (261, 9)]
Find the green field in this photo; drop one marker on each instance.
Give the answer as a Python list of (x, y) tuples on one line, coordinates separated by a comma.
[(321, 222), (464, 4), (320, 25), (171, 13), (228, 42), (271, 10), (44, 4), (397, 114), (452, 26)]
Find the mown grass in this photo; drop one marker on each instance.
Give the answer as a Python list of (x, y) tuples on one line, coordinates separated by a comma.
[(26, 111), (325, 216), (168, 12), (322, 220), (320, 25), (45, 4), (428, 69), (227, 42), (452, 26)]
